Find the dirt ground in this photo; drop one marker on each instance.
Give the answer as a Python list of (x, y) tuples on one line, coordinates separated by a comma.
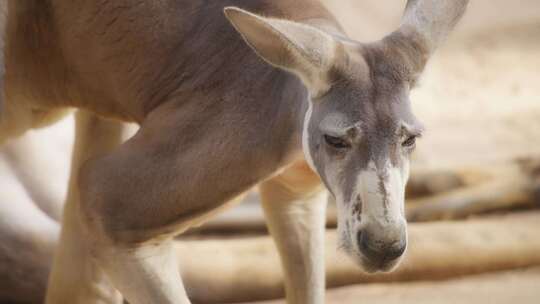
[(516, 286)]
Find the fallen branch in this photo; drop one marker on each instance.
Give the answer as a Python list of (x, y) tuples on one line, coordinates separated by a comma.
[(514, 286), (513, 186), (249, 269)]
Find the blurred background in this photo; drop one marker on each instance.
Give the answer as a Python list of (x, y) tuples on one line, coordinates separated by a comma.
[(472, 202)]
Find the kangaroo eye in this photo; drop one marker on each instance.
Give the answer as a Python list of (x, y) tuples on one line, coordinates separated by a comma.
[(409, 142), (336, 142)]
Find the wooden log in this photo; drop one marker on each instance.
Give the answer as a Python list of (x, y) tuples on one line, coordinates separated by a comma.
[(515, 286), (429, 182), (512, 186), (504, 194), (249, 269)]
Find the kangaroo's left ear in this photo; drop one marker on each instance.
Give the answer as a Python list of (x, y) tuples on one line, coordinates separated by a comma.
[(298, 48), (424, 26)]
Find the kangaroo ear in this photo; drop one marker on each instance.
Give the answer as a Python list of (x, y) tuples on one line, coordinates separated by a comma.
[(424, 26), (298, 48)]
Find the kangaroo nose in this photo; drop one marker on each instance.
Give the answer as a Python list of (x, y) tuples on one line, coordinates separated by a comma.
[(380, 250)]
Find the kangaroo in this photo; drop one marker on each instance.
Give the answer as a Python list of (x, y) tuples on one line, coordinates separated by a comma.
[(228, 95)]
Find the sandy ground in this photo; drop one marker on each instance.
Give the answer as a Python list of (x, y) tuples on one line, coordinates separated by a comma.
[(516, 286)]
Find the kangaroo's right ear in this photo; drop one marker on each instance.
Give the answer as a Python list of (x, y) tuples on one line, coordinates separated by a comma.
[(298, 48)]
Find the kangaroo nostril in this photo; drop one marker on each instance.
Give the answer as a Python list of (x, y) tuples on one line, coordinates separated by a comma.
[(365, 246), (395, 251), (374, 251)]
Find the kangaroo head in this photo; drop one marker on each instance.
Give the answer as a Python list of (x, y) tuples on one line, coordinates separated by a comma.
[(359, 130)]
